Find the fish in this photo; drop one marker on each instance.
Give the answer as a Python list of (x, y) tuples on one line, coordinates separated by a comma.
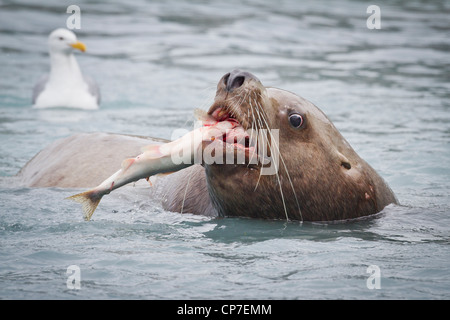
[(157, 159)]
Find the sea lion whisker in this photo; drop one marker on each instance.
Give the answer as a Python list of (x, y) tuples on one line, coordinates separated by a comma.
[(261, 144), (251, 133), (270, 146), (239, 98), (234, 104), (185, 191), (286, 169)]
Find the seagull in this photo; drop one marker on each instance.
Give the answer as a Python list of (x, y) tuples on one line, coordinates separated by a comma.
[(65, 85)]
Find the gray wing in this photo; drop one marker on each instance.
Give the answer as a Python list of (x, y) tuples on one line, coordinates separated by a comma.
[(93, 88), (39, 87)]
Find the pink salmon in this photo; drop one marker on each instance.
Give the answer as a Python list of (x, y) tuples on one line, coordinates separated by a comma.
[(157, 159)]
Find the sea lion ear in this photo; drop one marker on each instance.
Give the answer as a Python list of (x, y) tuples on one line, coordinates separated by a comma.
[(344, 162), (352, 171)]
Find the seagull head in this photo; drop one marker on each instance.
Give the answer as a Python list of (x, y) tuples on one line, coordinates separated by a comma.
[(64, 41)]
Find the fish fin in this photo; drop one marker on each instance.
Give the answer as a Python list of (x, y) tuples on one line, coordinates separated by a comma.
[(152, 150), (201, 115), (89, 201), (159, 175), (127, 163), (204, 117), (154, 178), (164, 174)]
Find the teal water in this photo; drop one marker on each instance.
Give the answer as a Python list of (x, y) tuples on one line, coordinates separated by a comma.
[(386, 90)]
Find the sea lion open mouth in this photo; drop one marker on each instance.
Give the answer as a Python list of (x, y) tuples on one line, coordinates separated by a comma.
[(238, 136), (238, 99), (235, 146), (221, 112)]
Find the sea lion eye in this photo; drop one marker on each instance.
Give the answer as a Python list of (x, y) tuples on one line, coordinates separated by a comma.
[(296, 120)]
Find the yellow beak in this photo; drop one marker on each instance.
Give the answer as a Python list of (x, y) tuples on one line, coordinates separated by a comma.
[(79, 45)]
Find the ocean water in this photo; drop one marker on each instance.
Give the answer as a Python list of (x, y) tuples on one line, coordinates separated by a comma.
[(386, 90)]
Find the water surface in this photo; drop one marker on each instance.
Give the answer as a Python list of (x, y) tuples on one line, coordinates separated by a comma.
[(386, 90)]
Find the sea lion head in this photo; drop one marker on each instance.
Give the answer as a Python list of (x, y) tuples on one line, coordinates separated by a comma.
[(307, 170)]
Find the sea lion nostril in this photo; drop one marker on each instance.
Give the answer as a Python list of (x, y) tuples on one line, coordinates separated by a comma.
[(237, 78), (235, 82)]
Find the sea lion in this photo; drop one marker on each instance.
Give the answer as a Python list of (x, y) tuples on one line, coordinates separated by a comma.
[(82, 160), (318, 176)]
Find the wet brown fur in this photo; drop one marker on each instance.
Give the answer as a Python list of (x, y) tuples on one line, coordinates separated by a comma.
[(321, 176)]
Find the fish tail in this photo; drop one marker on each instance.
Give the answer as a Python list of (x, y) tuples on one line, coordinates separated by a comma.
[(89, 201)]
